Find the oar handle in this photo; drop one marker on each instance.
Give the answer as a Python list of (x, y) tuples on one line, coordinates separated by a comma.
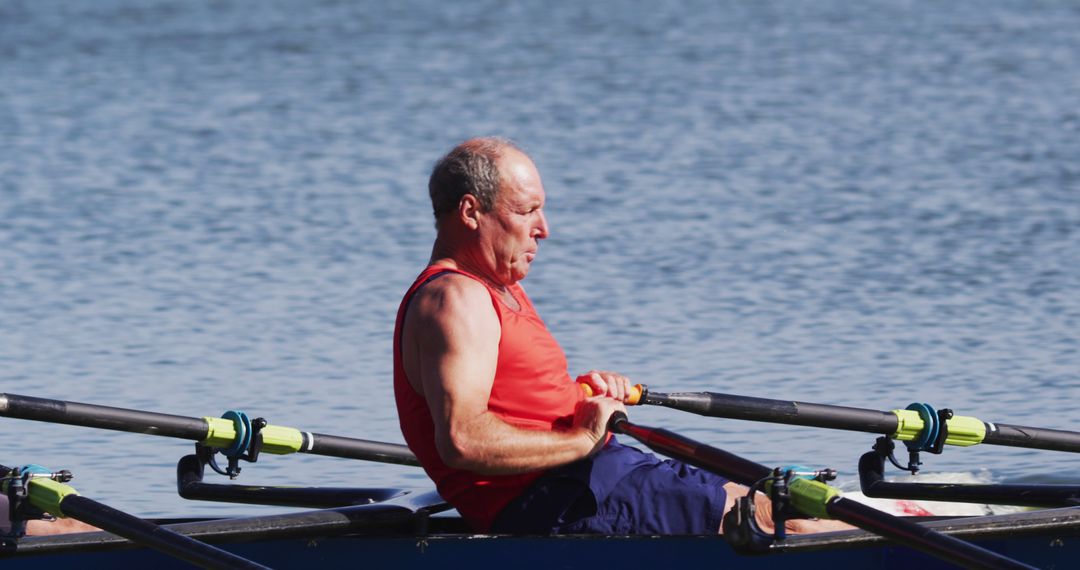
[(633, 397), (617, 421)]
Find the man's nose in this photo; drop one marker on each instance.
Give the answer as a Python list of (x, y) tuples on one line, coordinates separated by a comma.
[(543, 227)]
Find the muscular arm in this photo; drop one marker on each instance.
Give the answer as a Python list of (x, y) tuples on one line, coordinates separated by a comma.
[(450, 350)]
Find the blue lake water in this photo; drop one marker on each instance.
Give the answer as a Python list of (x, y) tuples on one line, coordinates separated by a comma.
[(216, 205)]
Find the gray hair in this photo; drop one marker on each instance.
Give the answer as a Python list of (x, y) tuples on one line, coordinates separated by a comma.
[(470, 168)]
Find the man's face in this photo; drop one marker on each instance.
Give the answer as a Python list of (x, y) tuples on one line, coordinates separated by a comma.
[(516, 224)]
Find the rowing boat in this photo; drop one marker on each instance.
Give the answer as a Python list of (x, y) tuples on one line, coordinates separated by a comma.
[(412, 530), (408, 528)]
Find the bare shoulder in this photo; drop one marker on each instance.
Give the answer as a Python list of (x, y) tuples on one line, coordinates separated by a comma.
[(451, 292), (451, 337), (452, 302)]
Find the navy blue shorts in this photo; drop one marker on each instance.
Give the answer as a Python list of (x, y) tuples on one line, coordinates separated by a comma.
[(620, 490)]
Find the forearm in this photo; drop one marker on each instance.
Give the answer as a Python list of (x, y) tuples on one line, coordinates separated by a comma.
[(487, 444)]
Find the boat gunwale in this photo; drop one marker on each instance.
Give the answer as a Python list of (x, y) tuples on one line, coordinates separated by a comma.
[(389, 521)]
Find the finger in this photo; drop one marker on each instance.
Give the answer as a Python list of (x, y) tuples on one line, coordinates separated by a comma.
[(599, 385), (620, 386), (588, 384), (611, 380), (609, 410), (624, 388), (614, 386)]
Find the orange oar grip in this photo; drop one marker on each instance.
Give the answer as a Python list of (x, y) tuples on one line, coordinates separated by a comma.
[(633, 398)]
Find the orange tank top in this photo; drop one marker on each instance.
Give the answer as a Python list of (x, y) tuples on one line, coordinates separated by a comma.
[(532, 390)]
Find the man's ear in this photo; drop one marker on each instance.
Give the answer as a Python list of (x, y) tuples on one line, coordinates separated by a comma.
[(469, 211)]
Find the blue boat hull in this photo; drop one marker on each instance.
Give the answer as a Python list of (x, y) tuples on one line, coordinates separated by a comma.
[(411, 531), (527, 553)]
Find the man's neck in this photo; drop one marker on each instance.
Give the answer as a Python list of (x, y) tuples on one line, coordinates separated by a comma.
[(456, 262)]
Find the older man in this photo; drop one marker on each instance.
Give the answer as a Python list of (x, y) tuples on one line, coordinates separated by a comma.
[(482, 389)]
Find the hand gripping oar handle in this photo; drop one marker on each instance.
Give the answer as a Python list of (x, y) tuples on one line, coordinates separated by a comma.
[(60, 499), (633, 397), (214, 432), (814, 498), (904, 425)]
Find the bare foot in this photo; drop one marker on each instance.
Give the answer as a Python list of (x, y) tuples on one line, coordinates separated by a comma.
[(58, 526), (764, 518)]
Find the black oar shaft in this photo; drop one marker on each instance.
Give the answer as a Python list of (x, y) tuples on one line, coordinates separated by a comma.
[(194, 429), (103, 417), (929, 541), (776, 411), (746, 472), (844, 418), (152, 535), (729, 465), (1030, 437), (336, 446)]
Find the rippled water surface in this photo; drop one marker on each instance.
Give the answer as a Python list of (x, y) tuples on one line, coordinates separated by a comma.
[(217, 205)]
